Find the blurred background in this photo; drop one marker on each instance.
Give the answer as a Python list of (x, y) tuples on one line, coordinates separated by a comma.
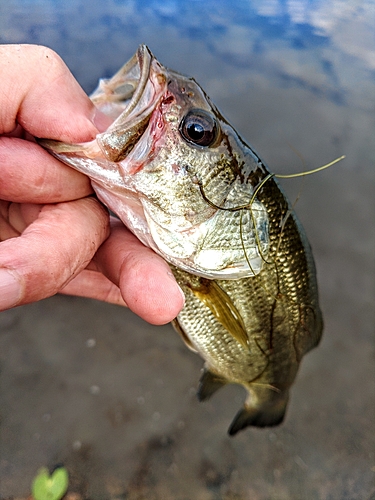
[(93, 387)]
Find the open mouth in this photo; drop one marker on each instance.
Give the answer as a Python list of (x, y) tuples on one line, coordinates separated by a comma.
[(128, 98), (127, 85)]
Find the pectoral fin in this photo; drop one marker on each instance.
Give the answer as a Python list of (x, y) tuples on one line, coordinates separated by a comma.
[(223, 308)]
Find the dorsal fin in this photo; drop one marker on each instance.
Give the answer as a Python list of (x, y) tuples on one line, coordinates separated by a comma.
[(209, 383)]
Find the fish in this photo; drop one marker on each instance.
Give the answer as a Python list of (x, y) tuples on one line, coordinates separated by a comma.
[(180, 177)]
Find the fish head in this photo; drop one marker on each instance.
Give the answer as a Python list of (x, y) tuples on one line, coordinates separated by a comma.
[(175, 171)]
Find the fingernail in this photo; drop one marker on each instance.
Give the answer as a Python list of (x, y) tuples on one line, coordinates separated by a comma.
[(10, 290), (101, 121), (182, 295), (178, 286)]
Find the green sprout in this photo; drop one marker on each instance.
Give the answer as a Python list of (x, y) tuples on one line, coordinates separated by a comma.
[(48, 486)]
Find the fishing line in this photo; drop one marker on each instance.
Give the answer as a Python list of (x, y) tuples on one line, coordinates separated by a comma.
[(252, 199), (308, 172), (266, 179), (248, 206)]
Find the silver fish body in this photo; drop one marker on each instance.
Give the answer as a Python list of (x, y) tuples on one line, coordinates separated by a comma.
[(179, 176)]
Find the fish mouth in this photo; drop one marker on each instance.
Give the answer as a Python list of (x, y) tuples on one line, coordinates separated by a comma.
[(129, 97)]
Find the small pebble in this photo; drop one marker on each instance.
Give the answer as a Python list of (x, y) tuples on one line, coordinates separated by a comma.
[(77, 445)]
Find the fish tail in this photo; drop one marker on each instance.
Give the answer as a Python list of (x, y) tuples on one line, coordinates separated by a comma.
[(267, 411)]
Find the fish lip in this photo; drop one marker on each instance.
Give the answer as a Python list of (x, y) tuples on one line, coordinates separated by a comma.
[(137, 69), (148, 80)]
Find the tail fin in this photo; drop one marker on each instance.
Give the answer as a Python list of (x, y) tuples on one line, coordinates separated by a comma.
[(265, 412)]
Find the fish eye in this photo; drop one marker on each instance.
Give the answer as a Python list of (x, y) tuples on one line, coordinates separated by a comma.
[(199, 127)]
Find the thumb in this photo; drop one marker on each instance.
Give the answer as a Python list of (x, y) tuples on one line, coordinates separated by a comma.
[(44, 97)]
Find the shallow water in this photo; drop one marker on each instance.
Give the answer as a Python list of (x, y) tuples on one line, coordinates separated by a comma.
[(92, 386)]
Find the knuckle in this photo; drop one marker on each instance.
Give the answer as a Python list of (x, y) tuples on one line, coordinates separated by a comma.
[(48, 55)]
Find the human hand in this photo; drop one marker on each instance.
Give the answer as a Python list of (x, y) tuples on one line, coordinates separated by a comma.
[(50, 226)]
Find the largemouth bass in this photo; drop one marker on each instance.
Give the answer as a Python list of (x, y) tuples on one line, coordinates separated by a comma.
[(180, 177)]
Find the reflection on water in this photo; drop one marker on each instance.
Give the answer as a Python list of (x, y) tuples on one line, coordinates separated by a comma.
[(327, 46), (290, 75)]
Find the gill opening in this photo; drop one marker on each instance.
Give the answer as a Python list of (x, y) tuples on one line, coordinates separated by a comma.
[(248, 206), (261, 184)]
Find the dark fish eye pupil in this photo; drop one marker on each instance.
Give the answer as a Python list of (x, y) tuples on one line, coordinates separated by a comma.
[(195, 131), (199, 127)]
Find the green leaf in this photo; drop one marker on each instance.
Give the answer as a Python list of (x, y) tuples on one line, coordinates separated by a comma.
[(50, 487)]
